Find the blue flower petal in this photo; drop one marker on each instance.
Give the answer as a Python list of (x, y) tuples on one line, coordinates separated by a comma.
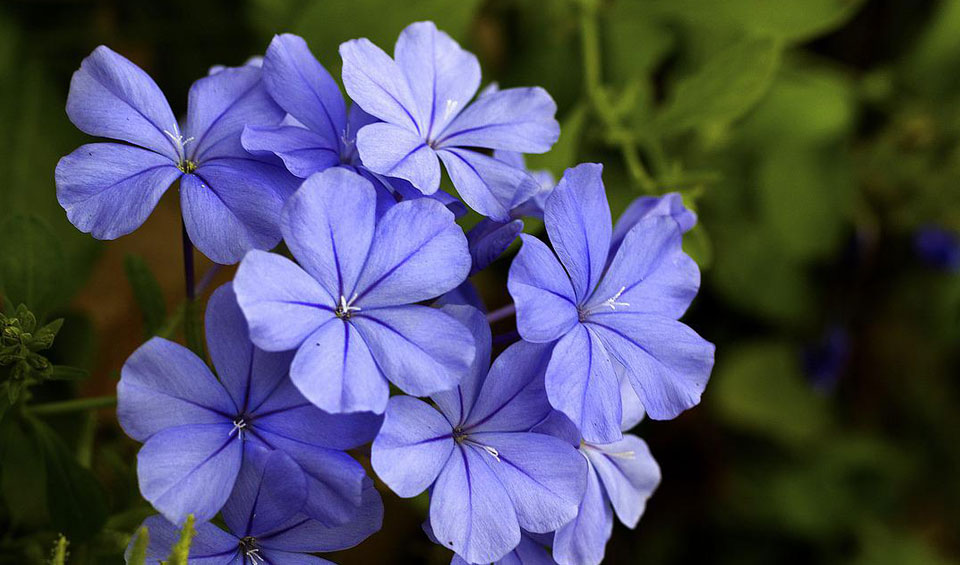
[(375, 82), (515, 119), (210, 545), (545, 300), (268, 492), (396, 151), (584, 539), (302, 151), (489, 186), (629, 475), (412, 447)]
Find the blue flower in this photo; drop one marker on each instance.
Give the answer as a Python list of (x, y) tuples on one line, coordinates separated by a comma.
[(198, 431), (319, 132), (489, 471), (602, 316), (264, 521), (423, 97), (230, 199), (528, 552), (350, 308), (489, 238), (938, 247)]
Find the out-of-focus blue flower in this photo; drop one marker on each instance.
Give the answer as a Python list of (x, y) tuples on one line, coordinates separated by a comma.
[(350, 307), (198, 431), (264, 522), (423, 96), (231, 200), (670, 205), (491, 472), (602, 316), (319, 132), (938, 247), (824, 361)]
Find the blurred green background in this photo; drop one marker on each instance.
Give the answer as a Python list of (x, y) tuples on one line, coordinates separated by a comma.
[(817, 140)]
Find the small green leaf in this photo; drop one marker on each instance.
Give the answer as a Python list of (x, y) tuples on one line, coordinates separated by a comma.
[(43, 338), (759, 388), (181, 549), (75, 499), (147, 293), (31, 263), (60, 552), (724, 88), (138, 554)]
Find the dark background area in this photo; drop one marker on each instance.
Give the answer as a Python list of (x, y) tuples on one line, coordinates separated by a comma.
[(816, 139)]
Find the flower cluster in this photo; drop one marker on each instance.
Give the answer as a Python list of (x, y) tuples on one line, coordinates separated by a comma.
[(525, 453)]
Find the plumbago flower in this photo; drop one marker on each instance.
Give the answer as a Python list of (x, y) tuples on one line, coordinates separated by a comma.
[(230, 199), (198, 432), (490, 475), (350, 308), (264, 522), (319, 132), (621, 475), (423, 97), (600, 316), (489, 238)]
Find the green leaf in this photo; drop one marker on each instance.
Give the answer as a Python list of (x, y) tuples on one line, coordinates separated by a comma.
[(43, 338), (59, 556), (31, 263), (697, 245), (22, 474), (138, 555), (787, 19), (147, 292), (932, 65), (75, 499), (724, 88), (759, 388), (181, 549), (565, 150), (67, 373), (805, 195)]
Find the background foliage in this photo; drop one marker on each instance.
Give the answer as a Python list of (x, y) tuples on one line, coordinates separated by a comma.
[(814, 139)]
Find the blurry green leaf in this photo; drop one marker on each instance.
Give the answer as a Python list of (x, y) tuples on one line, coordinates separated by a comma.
[(564, 152), (880, 546), (31, 263), (633, 45), (806, 104), (788, 19), (22, 474), (754, 275), (325, 25), (181, 550), (74, 497), (59, 556), (932, 65), (724, 88), (804, 197), (147, 293), (696, 244), (759, 388), (138, 555)]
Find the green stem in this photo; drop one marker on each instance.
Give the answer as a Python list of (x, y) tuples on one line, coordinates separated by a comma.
[(616, 133), (75, 405)]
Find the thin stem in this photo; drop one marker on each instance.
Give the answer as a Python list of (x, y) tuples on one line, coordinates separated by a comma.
[(501, 313), (207, 279), (192, 330), (76, 405)]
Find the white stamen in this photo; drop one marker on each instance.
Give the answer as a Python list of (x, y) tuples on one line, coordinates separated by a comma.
[(622, 454), (346, 307), (491, 451), (608, 303), (180, 143), (238, 425), (254, 555), (449, 108)]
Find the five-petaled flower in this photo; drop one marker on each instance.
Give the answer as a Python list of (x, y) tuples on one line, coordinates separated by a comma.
[(264, 521), (491, 472), (230, 199), (423, 96), (625, 313), (350, 308), (198, 431)]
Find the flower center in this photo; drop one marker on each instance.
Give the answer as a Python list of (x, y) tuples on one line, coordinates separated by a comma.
[(239, 425), (184, 164), (608, 303), (248, 546), (345, 308), (462, 437)]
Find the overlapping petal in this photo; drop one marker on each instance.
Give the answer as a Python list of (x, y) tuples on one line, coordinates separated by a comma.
[(375, 82), (267, 493), (210, 545), (515, 119), (412, 447), (108, 189), (629, 475), (397, 151), (584, 539), (302, 151), (545, 299), (489, 186)]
